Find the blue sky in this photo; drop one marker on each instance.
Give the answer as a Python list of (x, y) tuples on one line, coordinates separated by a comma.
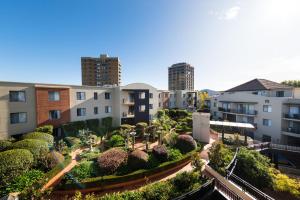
[(228, 42)]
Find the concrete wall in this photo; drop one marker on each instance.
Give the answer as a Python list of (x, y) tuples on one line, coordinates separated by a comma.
[(6, 107)]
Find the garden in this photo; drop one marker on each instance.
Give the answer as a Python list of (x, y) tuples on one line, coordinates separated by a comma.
[(108, 154)]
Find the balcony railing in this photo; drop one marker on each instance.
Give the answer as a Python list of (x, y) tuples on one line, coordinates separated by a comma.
[(128, 101), (128, 115), (291, 116), (292, 130), (239, 111)]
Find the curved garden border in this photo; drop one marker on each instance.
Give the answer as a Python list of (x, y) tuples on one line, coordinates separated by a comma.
[(133, 180)]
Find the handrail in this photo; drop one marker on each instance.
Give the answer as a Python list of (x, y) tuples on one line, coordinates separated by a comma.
[(268, 145), (233, 159)]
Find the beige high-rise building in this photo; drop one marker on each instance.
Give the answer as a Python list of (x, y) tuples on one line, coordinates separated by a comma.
[(181, 77), (101, 71)]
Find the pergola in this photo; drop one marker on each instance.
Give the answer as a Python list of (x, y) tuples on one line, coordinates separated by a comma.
[(242, 126)]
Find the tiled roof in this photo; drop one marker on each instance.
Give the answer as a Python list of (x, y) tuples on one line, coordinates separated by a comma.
[(258, 84)]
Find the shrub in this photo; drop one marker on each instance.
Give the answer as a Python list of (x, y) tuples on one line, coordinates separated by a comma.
[(38, 148), (93, 124), (13, 163), (70, 130), (185, 181), (126, 127), (84, 170), (116, 141), (111, 160), (152, 162), (4, 145), (137, 159), (53, 158), (219, 157), (160, 152), (45, 129), (40, 136), (72, 141), (79, 125), (140, 128), (170, 139), (174, 154), (157, 191), (186, 143), (24, 181), (107, 122), (88, 156)]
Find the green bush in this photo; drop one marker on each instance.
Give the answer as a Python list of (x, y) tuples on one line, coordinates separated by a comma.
[(24, 181), (157, 191), (52, 159), (184, 182), (111, 160), (90, 155), (59, 167), (170, 139), (107, 122), (79, 125), (174, 154), (38, 148), (13, 163), (5, 145), (160, 152), (152, 162), (185, 143), (140, 128), (45, 129), (93, 124), (116, 141), (84, 170), (72, 141), (137, 159), (70, 130), (40, 136)]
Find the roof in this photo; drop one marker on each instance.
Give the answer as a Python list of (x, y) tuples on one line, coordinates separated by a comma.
[(232, 124), (258, 84)]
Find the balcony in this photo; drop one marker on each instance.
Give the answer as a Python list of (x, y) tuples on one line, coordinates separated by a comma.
[(128, 101), (291, 131), (238, 111), (291, 116), (128, 115)]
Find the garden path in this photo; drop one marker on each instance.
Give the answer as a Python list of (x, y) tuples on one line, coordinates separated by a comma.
[(55, 180)]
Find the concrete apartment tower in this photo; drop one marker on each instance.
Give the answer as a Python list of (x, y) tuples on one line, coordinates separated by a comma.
[(181, 77), (101, 71)]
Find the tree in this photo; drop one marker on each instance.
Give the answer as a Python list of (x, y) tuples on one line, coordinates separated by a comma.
[(202, 97), (197, 162), (293, 83), (219, 157)]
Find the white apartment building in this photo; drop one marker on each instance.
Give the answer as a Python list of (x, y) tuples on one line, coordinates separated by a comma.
[(273, 108)]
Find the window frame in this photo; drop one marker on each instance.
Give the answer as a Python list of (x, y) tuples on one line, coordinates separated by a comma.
[(82, 114), (18, 122), (17, 91), (59, 114), (79, 96), (107, 97), (53, 92)]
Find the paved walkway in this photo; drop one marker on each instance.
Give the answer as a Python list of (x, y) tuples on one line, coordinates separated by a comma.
[(55, 180)]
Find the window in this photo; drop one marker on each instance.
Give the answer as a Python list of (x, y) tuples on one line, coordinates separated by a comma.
[(107, 109), (267, 108), (267, 101), (95, 110), (80, 95), (150, 95), (166, 95), (17, 118), (159, 104), (53, 96), (17, 96), (95, 95), (107, 95), (81, 112), (142, 95), (267, 122), (215, 104), (279, 93), (54, 114), (150, 106), (159, 95), (142, 108), (150, 117)]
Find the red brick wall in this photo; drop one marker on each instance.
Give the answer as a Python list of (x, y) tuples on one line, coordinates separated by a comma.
[(43, 106)]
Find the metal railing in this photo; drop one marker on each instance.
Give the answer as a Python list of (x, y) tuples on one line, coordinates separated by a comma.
[(291, 116), (238, 111), (292, 130), (268, 145)]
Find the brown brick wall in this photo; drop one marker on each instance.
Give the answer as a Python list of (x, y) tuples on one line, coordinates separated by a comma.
[(43, 106)]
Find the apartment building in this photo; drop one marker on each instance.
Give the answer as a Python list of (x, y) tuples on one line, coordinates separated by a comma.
[(183, 99), (25, 106), (181, 77), (272, 107), (101, 71)]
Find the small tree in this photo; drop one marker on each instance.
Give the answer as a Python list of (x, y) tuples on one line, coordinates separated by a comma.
[(197, 162)]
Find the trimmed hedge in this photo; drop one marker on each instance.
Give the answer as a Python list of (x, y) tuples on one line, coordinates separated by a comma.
[(160, 152), (111, 160), (5, 145), (111, 179), (72, 141), (93, 124), (116, 141), (137, 159), (45, 129), (40, 136), (38, 148), (60, 166), (53, 158), (186, 143), (13, 163)]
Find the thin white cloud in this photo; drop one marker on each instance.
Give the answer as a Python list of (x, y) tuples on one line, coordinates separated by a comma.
[(228, 14)]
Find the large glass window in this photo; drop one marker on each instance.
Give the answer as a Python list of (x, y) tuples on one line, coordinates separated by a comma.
[(81, 112), (54, 114), (53, 96), (80, 95), (17, 96), (279, 93), (17, 118), (107, 109)]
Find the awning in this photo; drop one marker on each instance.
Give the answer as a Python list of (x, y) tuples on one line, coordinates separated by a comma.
[(232, 124)]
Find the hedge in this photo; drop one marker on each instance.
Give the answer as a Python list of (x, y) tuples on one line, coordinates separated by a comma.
[(40, 136), (50, 174), (93, 124), (38, 148), (5, 145), (13, 163), (110, 179), (45, 129), (53, 158)]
